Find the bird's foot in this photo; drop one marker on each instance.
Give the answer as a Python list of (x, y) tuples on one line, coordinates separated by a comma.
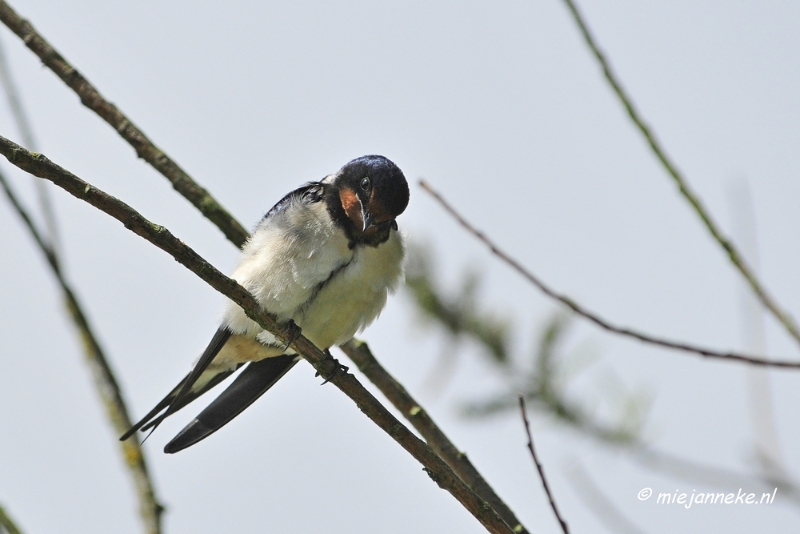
[(291, 331), (337, 368)]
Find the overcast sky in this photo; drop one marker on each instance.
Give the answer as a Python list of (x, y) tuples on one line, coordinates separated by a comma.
[(501, 107)]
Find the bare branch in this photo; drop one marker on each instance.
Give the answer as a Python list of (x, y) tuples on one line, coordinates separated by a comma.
[(539, 466), (593, 317), (105, 382), (437, 469), (145, 148), (733, 254), (6, 524), (359, 353)]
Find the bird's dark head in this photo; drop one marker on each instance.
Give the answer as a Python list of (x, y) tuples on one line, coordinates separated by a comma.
[(372, 191)]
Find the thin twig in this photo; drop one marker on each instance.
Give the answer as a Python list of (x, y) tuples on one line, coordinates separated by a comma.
[(105, 382), (6, 524), (145, 149), (683, 186), (539, 466), (593, 317), (360, 354), (437, 469)]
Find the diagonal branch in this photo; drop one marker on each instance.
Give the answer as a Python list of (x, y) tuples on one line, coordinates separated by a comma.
[(145, 149), (437, 469), (593, 317), (735, 257), (105, 382), (359, 353), (539, 467)]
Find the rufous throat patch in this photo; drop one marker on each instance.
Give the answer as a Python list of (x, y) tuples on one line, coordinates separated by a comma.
[(352, 206)]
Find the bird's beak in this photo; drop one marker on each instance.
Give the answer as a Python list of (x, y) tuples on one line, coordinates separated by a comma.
[(368, 219)]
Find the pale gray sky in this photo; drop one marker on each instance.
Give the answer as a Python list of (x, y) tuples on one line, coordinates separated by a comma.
[(499, 106)]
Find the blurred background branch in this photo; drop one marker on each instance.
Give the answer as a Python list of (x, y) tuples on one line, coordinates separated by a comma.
[(106, 383), (28, 141), (543, 382), (7, 526), (736, 258), (718, 477), (459, 316), (594, 499)]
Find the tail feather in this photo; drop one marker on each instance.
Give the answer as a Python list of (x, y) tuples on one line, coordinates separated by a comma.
[(183, 393), (152, 413), (188, 398), (253, 382)]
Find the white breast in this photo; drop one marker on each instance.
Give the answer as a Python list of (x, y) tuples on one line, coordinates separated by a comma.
[(285, 260), (299, 266), (355, 296)]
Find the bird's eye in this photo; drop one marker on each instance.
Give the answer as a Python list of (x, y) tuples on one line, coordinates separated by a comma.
[(365, 183)]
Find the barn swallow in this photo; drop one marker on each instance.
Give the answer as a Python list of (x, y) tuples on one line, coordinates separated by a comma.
[(324, 258)]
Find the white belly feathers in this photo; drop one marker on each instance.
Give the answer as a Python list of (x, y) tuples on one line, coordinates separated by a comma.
[(355, 295), (302, 269)]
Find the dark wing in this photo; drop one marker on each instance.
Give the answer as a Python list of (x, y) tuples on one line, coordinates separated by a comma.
[(253, 382), (183, 393), (310, 192)]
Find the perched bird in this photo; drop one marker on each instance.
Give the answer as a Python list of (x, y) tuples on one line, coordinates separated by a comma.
[(324, 258)]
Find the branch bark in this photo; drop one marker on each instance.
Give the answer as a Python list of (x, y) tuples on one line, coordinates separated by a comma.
[(359, 353), (738, 261), (145, 149), (106, 384), (437, 469), (593, 317)]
